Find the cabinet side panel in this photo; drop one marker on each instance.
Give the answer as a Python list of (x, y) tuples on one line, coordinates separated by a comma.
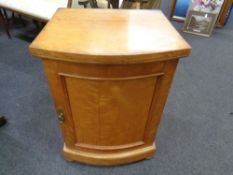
[(159, 100)]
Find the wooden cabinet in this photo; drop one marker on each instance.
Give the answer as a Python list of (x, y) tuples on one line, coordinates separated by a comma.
[(109, 72)]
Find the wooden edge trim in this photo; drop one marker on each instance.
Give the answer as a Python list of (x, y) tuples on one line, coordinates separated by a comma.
[(110, 78), (115, 59), (116, 147)]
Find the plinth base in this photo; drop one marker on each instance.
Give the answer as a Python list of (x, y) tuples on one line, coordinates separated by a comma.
[(107, 159)]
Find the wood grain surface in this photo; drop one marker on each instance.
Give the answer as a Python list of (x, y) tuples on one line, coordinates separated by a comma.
[(109, 36)]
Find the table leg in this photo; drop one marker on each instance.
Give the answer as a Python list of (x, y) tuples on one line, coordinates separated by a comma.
[(115, 4), (2, 121), (5, 25)]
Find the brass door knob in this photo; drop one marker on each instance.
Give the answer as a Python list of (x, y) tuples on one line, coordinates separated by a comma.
[(61, 115)]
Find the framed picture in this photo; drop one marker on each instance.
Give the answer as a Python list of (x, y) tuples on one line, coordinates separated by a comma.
[(207, 6), (200, 23), (202, 16), (179, 9)]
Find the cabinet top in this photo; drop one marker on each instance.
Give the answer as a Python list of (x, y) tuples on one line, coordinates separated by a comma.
[(110, 37)]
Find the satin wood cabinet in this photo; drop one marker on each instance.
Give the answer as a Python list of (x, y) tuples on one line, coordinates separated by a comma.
[(109, 72)]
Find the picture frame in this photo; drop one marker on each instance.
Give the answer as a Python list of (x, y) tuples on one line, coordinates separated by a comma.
[(225, 12), (178, 10), (208, 6), (200, 23), (202, 16)]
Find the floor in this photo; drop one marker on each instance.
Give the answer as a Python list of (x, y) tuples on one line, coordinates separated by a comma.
[(195, 136)]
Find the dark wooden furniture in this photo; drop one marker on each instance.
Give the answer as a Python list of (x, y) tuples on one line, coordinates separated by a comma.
[(141, 4), (4, 23), (110, 86), (2, 121), (31, 9)]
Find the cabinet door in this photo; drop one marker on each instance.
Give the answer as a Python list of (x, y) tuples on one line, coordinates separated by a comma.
[(106, 107)]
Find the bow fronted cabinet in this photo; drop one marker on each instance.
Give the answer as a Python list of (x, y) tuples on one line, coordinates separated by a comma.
[(109, 72)]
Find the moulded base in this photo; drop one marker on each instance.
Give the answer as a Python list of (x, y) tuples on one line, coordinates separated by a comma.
[(108, 159)]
